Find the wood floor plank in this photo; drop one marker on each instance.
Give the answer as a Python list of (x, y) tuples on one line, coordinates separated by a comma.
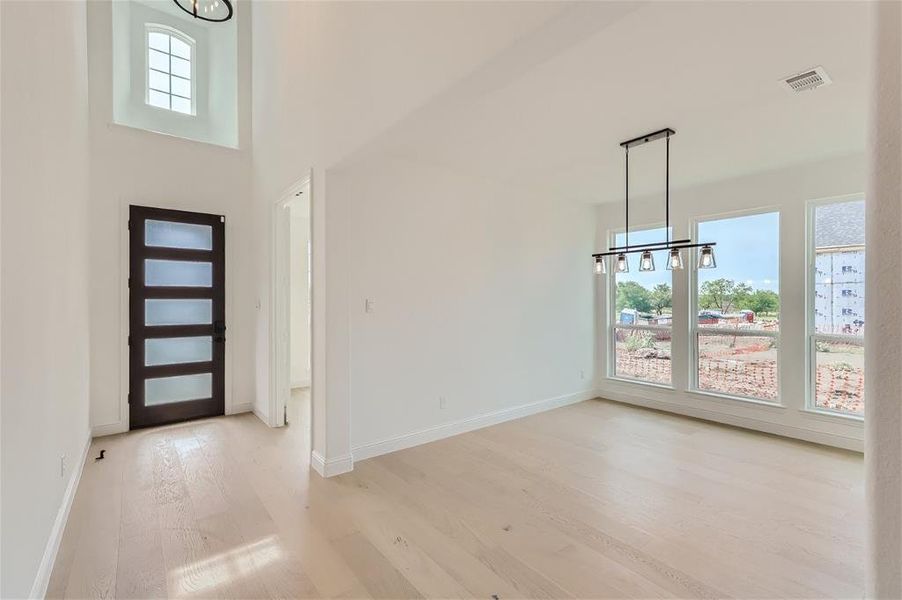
[(141, 555), (560, 508), (384, 491), (540, 542), (593, 500), (375, 572)]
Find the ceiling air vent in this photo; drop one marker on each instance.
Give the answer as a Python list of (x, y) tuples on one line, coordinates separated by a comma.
[(807, 80)]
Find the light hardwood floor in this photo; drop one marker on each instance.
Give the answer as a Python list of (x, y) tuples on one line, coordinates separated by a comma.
[(592, 500)]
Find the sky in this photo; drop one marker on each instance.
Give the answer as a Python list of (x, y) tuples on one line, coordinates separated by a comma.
[(747, 250)]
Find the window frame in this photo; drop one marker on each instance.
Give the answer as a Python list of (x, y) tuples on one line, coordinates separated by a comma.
[(695, 330), (811, 335), (183, 37), (613, 325)]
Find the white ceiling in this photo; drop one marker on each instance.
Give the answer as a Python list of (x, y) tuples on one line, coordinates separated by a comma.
[(347, 71), (550, 109)]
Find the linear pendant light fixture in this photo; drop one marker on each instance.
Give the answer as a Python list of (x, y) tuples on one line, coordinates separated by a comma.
[(674, 247)]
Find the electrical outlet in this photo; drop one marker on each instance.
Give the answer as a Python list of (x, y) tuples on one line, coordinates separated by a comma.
[(582, 374), (63, 465), (369, 305), (442, 402)]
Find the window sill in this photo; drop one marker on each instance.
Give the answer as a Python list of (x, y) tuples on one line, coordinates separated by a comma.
[(660, 386), (832, 416), (113, 126), (732, 399)]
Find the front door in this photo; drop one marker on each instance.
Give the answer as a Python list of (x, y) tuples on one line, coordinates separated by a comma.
[(176, 316)]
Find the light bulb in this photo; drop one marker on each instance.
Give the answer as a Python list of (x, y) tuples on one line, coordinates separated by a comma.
[(647, 261), (599, 265), (622, 265), (675, 260), (706, 258)]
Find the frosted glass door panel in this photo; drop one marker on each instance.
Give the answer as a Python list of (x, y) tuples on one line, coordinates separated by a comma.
[(178, 312), (181, 388), (181, 273), (170, 351), (167, 234)]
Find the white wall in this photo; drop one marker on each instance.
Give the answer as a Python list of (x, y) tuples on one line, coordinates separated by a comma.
[(300, 294), (132, 166), (480, 295), (327, 78), (788, 191), (883, 345), (45, 280)]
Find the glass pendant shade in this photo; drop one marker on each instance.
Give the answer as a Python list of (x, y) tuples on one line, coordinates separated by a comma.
[(647, 261), (706, 258), (599, 265), (675, 260), (622, 265)]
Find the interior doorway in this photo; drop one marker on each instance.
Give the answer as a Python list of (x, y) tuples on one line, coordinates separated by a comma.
[(299, 307), (291, 319)]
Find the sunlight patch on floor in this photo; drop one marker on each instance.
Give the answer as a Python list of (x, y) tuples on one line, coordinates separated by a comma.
[(229, 566)]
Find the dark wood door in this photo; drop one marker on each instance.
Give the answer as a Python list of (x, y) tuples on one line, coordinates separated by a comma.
[(176, 316)]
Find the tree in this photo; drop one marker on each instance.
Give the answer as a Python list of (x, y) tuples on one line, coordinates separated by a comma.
[(661, 298), (724, 295), (763, 301), (633, 295)]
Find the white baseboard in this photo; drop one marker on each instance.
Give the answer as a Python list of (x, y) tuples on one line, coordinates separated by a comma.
[(789, 431), (240, 408), (431, 434), (109, 429), (262, 417), (42, 578), (333, 466)]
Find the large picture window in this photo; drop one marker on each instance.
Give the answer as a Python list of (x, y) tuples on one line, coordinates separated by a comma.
[(736, 331), (836, 307), (641, 315)]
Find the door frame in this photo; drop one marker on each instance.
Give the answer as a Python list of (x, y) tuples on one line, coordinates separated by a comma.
[(121, 422), (280, 300), (138, 333)]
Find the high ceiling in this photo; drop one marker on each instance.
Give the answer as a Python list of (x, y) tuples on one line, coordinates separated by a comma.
[(550, 109), (330, 76)]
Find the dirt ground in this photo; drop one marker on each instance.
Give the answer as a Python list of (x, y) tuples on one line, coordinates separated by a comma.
[(751, 370)]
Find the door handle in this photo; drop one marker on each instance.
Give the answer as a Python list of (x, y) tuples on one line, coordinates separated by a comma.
[(219, 330)]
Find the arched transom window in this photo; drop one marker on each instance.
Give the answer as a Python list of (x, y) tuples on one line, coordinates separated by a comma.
[(170, 69)]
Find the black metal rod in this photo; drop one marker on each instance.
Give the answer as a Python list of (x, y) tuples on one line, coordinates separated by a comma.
[(627, 199), (667, 191), (667, 243), (672, 246)]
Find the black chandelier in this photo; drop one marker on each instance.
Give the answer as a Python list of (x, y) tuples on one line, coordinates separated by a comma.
[(215, 11), (646, 260)]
